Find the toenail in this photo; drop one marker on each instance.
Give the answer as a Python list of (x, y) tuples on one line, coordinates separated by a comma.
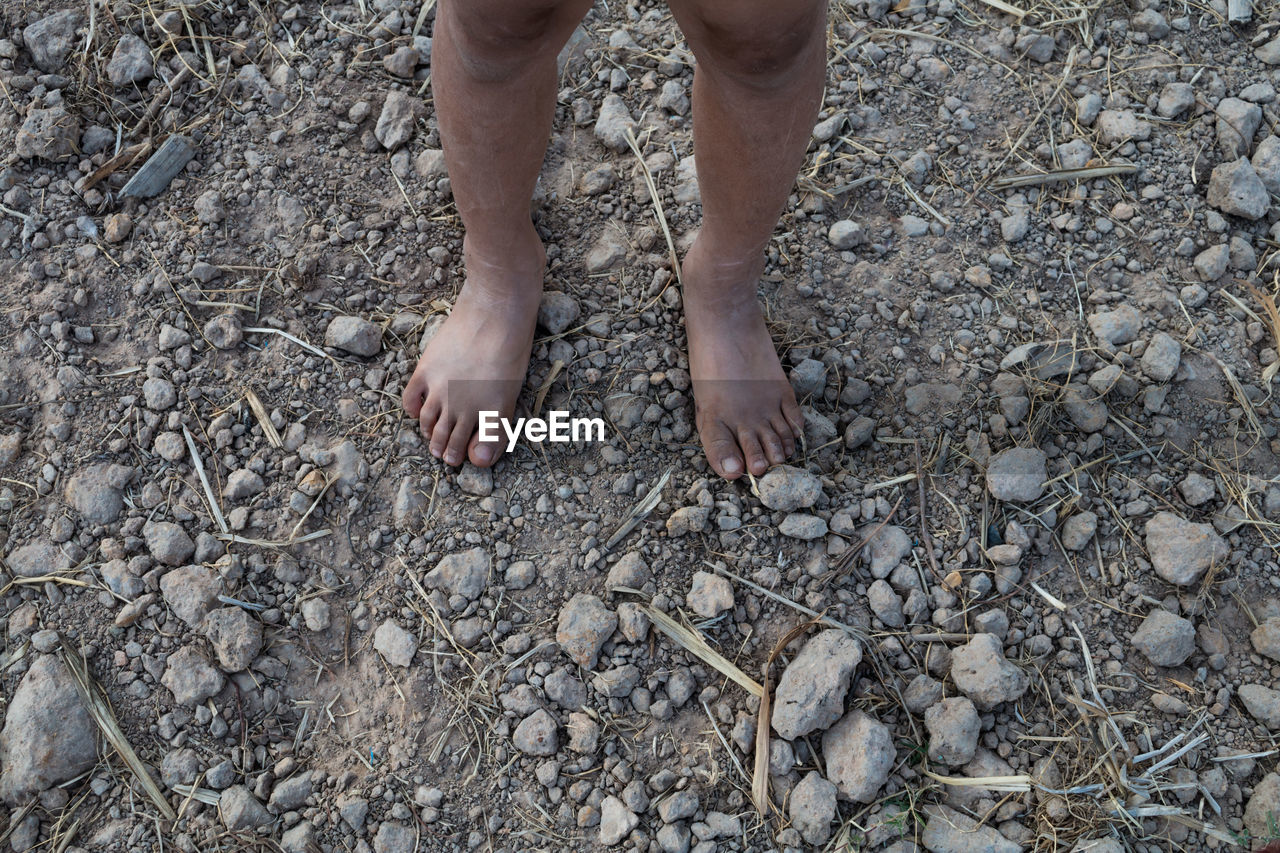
[(731, 465), (451, 457), (484, 453)]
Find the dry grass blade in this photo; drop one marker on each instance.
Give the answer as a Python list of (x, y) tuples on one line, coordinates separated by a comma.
[(657, 205), (1268, 304), (760, 772), (95, 701), (264, 330), (204, 795), (1059, 175), (638, 512), (198, 464), (1017, 784), (264, 419), (693, 643), (1002, 6), (556, 367)]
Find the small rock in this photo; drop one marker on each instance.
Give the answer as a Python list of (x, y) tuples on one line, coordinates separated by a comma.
[(1116, 127), (190, 677), (887, 546), (1078, 530), (584, 624), (239, 809), (315, 612), (811, 693), (1266, 164), (709, 595), (1238, 121), (846, 234), (1116, 327), (557, 311), (616, 821), (808, 378), (1262, 703), (241, 484), (236, 637), (1182, 550), (1197, 489), (36, 559), (396, 121), (130, 62), (688, 519), (1175, 99), (50, 40), (1166, 639), (47, 134), (613, 123), (1264, 805), (396, 645), (1161, 358), (464, 573), (786, 488), (48, 736), (355, 335), (116, 227), (209, 207), (859, 755), (191, 592), (224, 331), (801, 525), (949, 831), (1211, 264), (980, 671), (954, 727), (1235, 189), (475, 481), (930, 398), (812, 808), (96, 492), (536, 734), (1017, 474), (1266, 638), (885, 604), (168, 543), (402, 61)]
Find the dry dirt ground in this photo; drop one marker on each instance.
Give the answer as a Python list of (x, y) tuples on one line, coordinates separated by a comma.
[(1024, 569)]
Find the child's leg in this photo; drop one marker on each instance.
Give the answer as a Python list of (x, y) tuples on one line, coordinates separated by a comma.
[(493, 75), (756, 92)]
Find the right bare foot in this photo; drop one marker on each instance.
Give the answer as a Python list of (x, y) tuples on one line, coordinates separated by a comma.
[(478, 359)]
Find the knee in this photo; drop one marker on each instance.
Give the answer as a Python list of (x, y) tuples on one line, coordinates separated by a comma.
[(499, 47), (764, 54)]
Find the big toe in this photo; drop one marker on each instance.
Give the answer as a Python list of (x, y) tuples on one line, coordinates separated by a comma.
[(722, 451), (483, 454)]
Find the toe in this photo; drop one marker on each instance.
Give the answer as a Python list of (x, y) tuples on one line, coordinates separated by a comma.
[(795, 418), (783, 431), (772, 444), (483, 454), (440, 435), (415, 392), (455, 453), (756, 463), (722, 451)]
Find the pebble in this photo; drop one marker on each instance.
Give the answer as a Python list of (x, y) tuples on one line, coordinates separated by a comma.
[(949, 831), (117, 227), (859, 754), (51, 38), (47, 134), (688, 519), (190, 677), (584, 624), (1161, 358), (224, 331), (1262, 703), (1264, 805), (887, 546), (402, 61), (800, 525), (168, 543), (1116, 127), (475, 481), (953, 727), (808, 378), (130, 62), (1266, 163), (811, 693), (885, 604), (315, 613), (209, 208), (159, 394), (1238, 121), (48, 736), (191, 592), (396, 121), (1211, 264), (616, 821), (1175, 99), (1266, 638), (846, 234), (1166, 639), (981, 672), (812, 808), (236, 637), (396, 645), (859, 432), (241, 484), (1197, 489), (536, 734), (613, 123), (1078, 530), (1235, 189), (1181, 550), (1017, 474), (464, 573), (786, 488), (557, 311), (931, 398), (355, 335), (96, 492), (240, 810), (631, 571), (1116, 327), (709, 595)]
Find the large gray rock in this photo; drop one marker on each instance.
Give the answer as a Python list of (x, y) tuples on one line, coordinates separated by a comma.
[(1166, 639), (859, 755), (1017, 474), (584, 624), (48, 735), (395, 644), (616, 821), (464, 573), (1182, 550), (1236, 189), (241, 810), (355, 335), (190, 677), (396, 121), (981, 672), (1262, 703), (536, 734), (191, 592), (96, 492), (130, 62), (36, 559), (1238, 121), (1263, 810), (51, 38), (613, 122), (953, 727), (1266, 638), (810, 695)]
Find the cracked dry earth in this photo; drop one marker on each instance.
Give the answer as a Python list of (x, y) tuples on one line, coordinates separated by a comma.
[(1019, 587)]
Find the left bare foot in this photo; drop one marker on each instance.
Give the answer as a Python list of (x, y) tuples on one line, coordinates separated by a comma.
[(747, 415)]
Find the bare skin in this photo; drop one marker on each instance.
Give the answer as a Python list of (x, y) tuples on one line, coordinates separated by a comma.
[(756, 94)]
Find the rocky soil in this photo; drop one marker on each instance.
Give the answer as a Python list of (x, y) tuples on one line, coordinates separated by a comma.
[(1028, 551)]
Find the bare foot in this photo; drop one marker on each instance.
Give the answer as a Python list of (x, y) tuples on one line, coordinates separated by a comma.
[(478, 359), (747, 415)]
